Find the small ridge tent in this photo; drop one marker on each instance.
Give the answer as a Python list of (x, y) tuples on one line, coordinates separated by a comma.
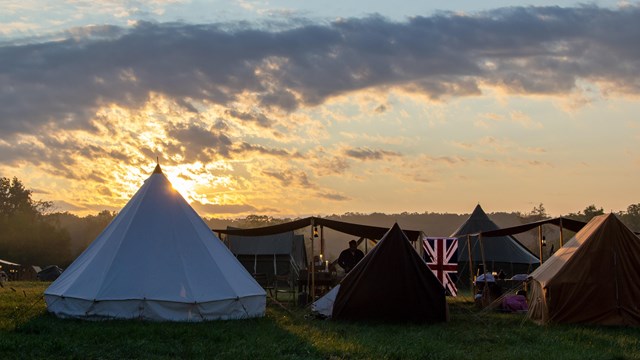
[(49, 273), (592, 279), (157, 260), (391, 284)]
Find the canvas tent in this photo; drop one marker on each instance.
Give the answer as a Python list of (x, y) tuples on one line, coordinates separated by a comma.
[(157, 260), (271, 255), (593, 278), (391, 284), (499, 252)]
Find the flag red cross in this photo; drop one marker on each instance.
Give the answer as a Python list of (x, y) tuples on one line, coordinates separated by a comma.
[(441, 257)]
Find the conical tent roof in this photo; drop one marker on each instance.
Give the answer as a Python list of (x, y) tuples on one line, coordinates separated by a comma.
[(593, 278), (503, 249), (392, 283), (156, 260)]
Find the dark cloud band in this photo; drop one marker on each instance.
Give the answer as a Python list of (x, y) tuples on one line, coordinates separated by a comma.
[(541, 50)]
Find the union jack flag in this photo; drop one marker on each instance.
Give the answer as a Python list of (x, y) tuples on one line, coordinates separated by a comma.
[(441, 254)]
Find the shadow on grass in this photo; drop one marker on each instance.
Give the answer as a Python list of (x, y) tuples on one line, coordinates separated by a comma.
[(46, 336), (284, 334)]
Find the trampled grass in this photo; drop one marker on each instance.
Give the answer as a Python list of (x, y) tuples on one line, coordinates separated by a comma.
[(28, 331)]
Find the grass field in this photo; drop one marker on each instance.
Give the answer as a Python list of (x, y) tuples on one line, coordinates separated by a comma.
[(28, 331)]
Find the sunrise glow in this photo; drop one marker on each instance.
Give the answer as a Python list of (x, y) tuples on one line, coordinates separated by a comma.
[(326, 110)]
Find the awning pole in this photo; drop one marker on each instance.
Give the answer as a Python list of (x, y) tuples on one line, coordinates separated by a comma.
[(322, 242), (484, 263), (470, 260), (540, 241), (486, 297), (313, 265), (561, 236)]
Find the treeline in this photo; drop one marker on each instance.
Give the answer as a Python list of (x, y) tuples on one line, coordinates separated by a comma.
[(32, 234), (27, 234)]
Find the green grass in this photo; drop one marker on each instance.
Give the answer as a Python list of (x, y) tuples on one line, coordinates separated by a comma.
[(28, 331)]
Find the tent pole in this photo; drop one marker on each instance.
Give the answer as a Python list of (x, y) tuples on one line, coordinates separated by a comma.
[(540, 241), (313, 265), (471, 279), (484, 264), (561, 236), (486, 297), (322, 242)]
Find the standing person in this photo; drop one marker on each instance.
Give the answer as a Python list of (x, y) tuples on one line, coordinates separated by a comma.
[(350, 257)]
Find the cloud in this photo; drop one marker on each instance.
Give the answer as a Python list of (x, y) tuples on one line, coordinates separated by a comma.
[(213, 209), (61, 205), (380, 109), (525, 50), (199, 143), (332, 196), (330, 166), (258, 118), (524, 120), (369, 154), (289, 177)]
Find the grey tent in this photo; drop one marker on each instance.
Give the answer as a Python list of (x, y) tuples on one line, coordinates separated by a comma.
[(500, 252), (271, 255)]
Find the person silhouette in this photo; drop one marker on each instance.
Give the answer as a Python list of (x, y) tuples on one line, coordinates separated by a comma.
[(350, 257)]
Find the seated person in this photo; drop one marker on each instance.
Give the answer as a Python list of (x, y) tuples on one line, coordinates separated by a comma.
[(501, 275), (350, 257)]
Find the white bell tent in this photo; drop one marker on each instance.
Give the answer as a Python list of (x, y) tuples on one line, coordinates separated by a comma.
[(157, 260)]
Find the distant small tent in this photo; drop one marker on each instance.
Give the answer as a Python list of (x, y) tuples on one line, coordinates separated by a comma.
[(391, 284), (271, 255), (593, 279), (49, 273), (157, 260), (501, 252)]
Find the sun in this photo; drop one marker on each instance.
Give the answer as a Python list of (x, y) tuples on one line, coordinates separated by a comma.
[(183, 186), (187, 181)]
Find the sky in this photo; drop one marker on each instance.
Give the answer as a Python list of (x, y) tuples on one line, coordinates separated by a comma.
[(297, 108)]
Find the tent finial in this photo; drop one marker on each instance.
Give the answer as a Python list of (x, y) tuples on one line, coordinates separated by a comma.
[(157, 170)]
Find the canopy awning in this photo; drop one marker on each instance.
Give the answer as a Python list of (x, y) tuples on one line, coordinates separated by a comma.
[(565, 223), (363, 231)]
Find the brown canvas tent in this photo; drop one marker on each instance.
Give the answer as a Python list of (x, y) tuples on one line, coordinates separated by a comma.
[(594, 278), (391, 284)]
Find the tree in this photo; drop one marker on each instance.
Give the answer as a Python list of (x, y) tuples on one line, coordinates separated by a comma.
[(16, 199), (592, 211), (632, 217), (536, 214), (587, 214), (27, 236)]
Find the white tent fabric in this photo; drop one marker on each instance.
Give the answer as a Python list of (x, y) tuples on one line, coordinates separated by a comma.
[(324, 305), (157, 260)]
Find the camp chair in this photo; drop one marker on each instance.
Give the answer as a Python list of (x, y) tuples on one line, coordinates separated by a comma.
[(285, 284)]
